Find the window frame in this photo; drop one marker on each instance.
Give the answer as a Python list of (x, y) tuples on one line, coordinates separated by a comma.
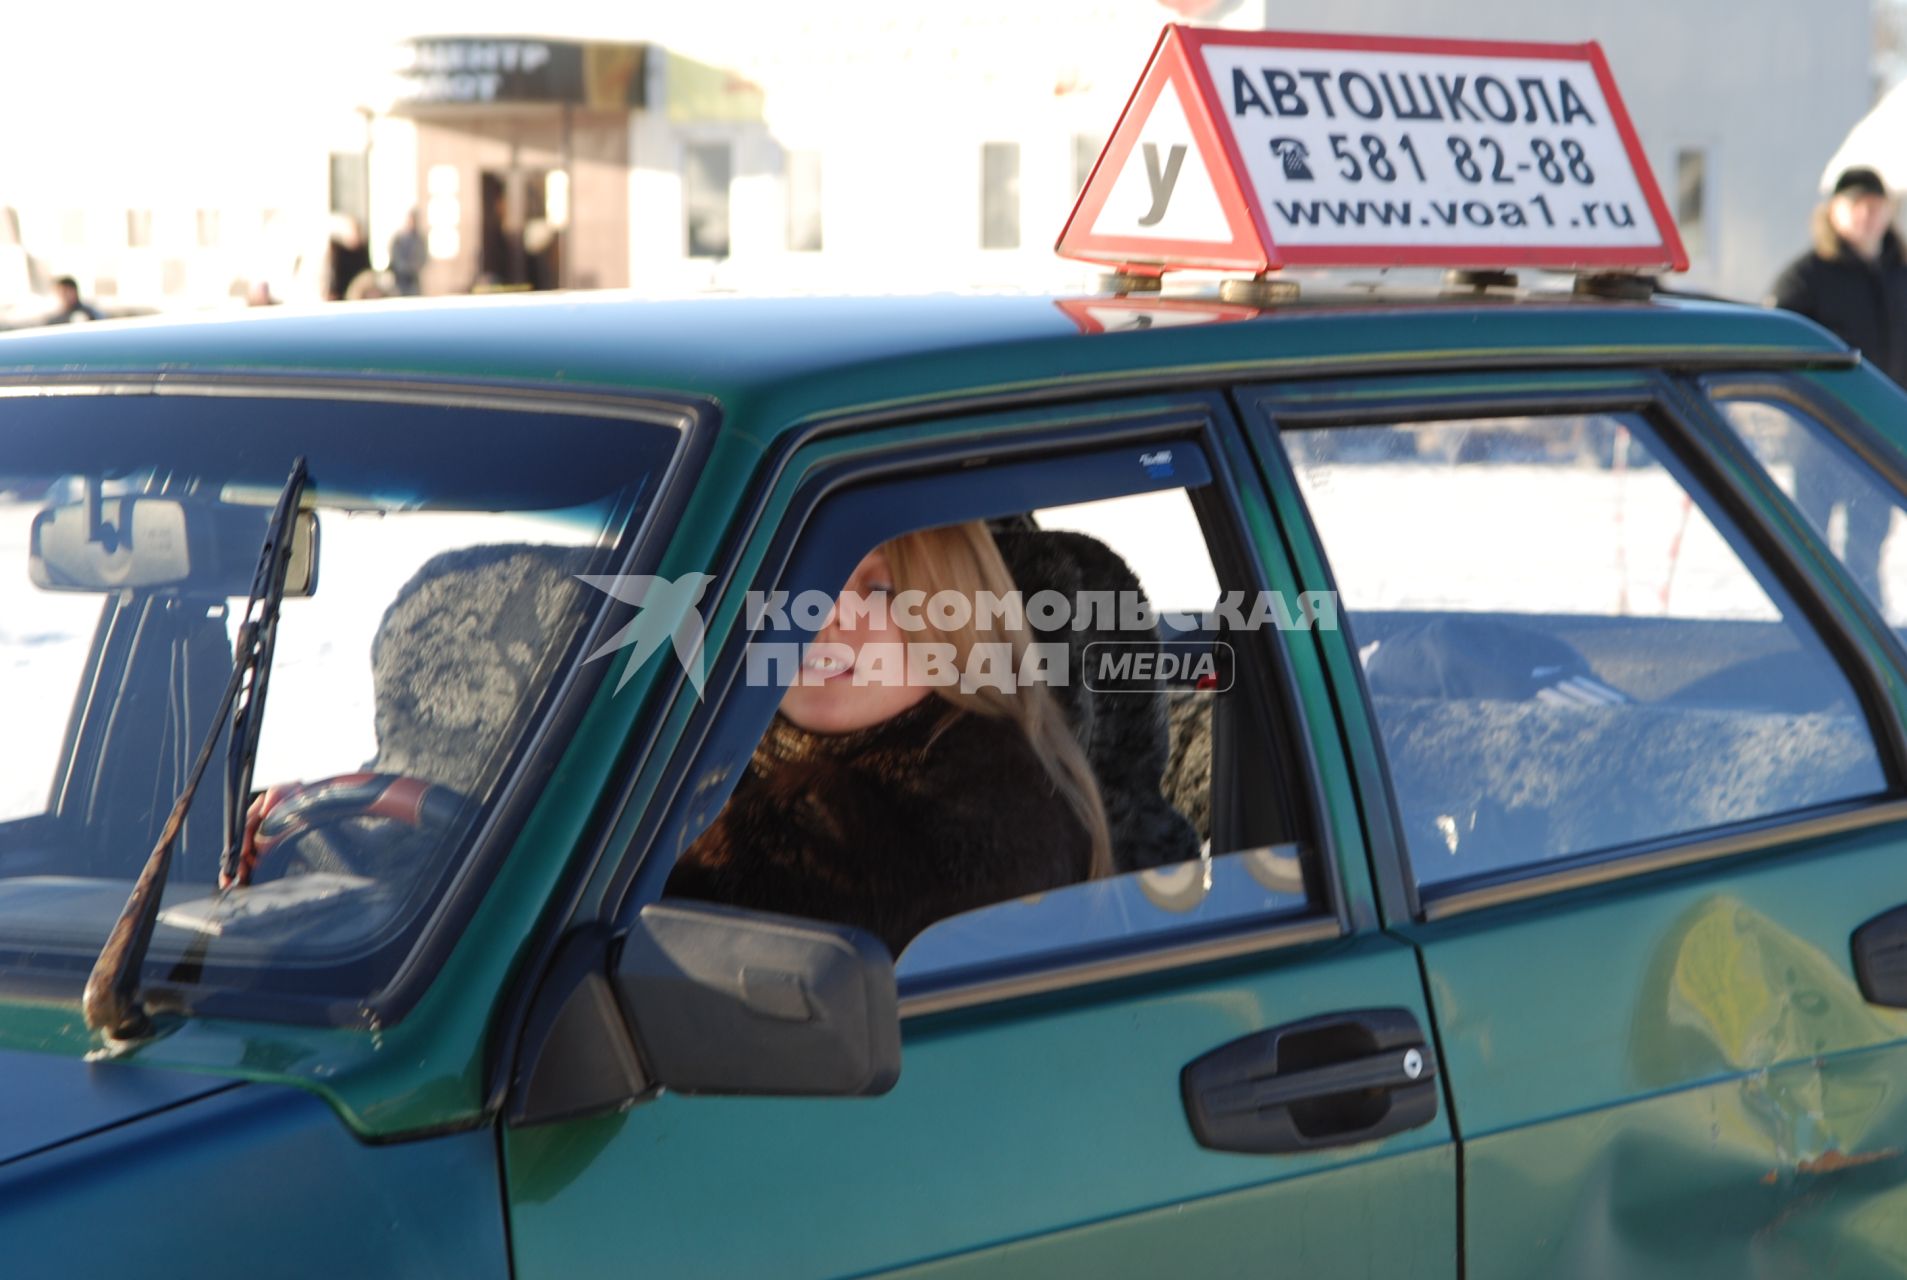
[(1006, 439), (1001, 198), (694, 199), (1672, 412)]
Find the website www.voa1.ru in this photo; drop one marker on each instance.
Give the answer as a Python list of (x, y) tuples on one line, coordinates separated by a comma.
[(1537, 211)]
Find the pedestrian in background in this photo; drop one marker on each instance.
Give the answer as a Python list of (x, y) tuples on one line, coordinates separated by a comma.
[(346, 257), (71, 307), (1852, 282), (408, 255)]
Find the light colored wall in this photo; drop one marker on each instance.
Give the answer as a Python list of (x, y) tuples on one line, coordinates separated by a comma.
[(898, 99)]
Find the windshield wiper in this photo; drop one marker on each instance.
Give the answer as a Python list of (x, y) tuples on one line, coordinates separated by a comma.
[(112, 1002)]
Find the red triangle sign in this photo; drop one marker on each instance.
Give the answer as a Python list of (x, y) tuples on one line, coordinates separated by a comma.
[(1163, 191)]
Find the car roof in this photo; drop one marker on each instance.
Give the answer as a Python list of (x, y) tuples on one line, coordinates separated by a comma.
[(773, 364)]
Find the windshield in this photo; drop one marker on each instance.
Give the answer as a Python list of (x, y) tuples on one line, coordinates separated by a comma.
[(435, 600)]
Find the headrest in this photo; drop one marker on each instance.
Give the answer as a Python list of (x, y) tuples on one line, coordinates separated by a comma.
[(1123, 730), (464, 651)]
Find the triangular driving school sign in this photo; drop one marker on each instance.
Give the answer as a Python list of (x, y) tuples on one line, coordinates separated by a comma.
[(1163, 192), (1263, 149)]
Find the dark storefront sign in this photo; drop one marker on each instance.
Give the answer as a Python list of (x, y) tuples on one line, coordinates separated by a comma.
[(444, 71)]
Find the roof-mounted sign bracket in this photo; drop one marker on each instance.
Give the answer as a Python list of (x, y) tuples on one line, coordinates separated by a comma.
[(1130, 282), (1478, 279), (1259, 291), (1620, 285)]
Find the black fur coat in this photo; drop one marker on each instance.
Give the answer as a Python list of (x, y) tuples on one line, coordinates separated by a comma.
[(934, 812)]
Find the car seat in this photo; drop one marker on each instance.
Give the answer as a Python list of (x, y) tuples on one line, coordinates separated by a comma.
[(461, 657), (1121, 724)]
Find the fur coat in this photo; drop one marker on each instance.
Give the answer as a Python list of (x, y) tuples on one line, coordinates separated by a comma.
[(934, 812)]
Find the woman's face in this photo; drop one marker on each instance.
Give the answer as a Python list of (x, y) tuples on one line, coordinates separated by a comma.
[(839, 690)]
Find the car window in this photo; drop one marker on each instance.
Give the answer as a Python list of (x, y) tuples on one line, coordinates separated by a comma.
[(43, 645), (445, 597), (1155, 707), (1567, 650), (1851, 507)]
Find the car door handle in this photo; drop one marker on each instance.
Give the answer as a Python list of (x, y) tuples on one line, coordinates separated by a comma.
[(1327, 1081), (1880, 958)]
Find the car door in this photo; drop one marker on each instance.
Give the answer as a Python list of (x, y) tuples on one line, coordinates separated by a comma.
[(1056, 1049), (1643, 754)]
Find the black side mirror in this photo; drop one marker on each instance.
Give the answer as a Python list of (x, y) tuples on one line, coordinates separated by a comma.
[(729, 1001)]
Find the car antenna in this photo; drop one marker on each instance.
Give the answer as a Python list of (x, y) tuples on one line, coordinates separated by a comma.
[(112, 1002)]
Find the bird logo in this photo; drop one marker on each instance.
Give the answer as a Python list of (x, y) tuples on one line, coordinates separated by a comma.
[(666, 612)]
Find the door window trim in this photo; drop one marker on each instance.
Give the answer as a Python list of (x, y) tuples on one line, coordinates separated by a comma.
[(1022, 438), (1268, 410)]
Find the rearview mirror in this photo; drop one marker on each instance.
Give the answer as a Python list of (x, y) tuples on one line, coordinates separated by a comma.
[(207, 549), (728, 1001)]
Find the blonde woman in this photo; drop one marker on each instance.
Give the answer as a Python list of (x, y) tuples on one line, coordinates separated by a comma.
[(885, 795)]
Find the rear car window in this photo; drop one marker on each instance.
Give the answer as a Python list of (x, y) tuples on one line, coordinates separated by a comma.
[(1568, 649)]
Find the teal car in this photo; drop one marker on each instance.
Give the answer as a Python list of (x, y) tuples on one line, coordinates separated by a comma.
[(1525, 663)]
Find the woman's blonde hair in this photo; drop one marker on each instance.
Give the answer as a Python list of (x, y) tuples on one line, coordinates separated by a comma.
[(964, 558)]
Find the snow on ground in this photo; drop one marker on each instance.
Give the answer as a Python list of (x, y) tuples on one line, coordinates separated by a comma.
[(1525, 539)]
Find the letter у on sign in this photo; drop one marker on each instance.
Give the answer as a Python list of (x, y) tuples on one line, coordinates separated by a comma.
[(1259, 150)]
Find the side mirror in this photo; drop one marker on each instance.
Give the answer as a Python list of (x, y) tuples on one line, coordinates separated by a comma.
[(741, 1002)]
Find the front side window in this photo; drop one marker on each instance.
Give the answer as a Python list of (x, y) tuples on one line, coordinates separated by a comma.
[(1014, 739), (1568, 649), (444, 606)]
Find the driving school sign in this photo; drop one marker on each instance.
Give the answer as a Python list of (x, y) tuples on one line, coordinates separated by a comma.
[(1257, 150)]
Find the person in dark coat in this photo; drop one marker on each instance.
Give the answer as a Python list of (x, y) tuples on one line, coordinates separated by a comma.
[(884, 801), (346, 257), (72, 307), (1853, 282)]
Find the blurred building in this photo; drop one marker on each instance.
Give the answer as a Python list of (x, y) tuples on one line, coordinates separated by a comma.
[(864, 146), (855, 146), (852, 147), (522, 156)]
